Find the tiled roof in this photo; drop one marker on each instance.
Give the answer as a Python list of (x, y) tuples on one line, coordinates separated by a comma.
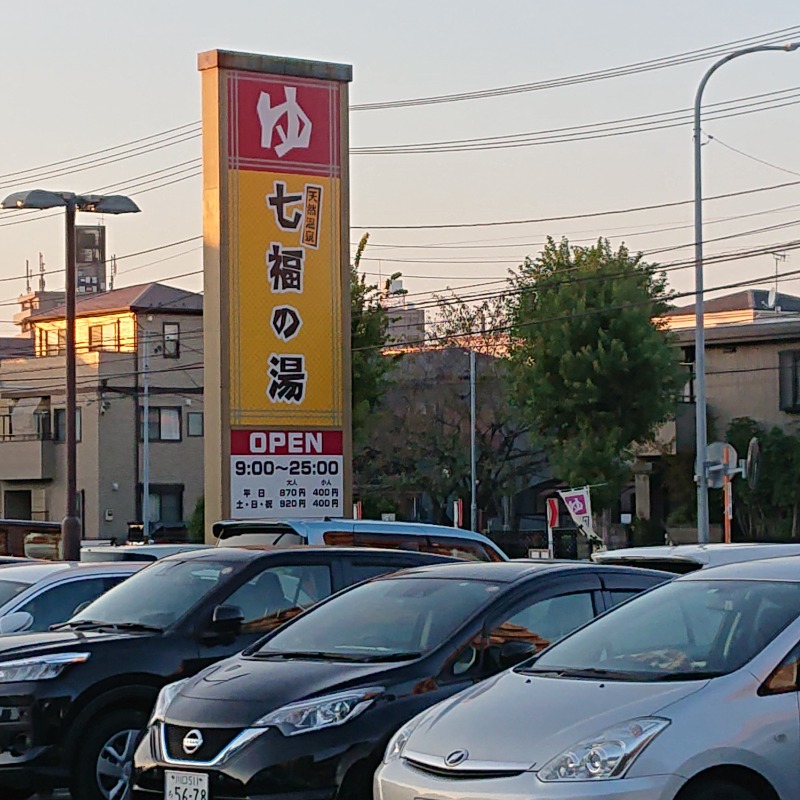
[(746, 300), (142, 297)]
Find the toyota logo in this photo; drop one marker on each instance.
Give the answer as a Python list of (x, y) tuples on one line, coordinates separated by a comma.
[(192, 742), (456, 757)]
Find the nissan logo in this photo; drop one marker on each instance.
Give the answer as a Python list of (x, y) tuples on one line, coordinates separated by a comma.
[(192, 742), (456, 757)]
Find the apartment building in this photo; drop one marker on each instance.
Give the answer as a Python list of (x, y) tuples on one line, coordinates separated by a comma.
[(119, 334)]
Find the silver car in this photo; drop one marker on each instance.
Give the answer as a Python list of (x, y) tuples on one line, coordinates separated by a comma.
[(39, 594), (687, 692)]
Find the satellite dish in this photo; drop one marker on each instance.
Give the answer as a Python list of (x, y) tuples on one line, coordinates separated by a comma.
[(772, 298), (752, 464)]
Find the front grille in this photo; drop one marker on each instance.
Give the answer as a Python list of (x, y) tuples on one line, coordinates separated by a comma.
[(214, 740), (463, 774)]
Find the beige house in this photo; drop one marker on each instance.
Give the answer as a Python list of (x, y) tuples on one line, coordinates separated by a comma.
[(114, 332)]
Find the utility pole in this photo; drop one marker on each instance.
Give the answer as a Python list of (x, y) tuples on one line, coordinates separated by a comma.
[(146, 434), (473, 445)]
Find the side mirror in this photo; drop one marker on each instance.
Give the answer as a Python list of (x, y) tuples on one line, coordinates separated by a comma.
[(514, 652), (16, 622), (227, 619)]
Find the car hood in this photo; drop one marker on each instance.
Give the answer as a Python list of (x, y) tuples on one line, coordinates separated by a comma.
[(533, 719), (237, 691), (28, 645)]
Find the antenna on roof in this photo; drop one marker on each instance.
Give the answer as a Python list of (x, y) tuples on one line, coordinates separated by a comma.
[(113, 273), (27, 276), (778, 258), (41, 272), (772, 297)]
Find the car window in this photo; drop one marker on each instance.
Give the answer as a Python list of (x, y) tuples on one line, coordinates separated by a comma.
[(617, 596), (339, 538), (10, 589), (458, 548), (393, 541), (363, 570), (160, 594), (684, 629), (385, 618), (59, 603), (545, 621), (279, 593)]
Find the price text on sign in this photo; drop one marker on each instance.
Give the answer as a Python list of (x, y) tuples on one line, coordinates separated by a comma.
[(286, 474)]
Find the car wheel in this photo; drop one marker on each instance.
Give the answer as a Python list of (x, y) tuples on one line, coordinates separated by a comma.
[(104, 759), (717, 789)]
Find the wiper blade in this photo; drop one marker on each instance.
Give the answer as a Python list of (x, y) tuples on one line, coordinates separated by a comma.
[(686, 676), (135, 626), (386, 657), (587, 672), (78, 624), (310, 655)]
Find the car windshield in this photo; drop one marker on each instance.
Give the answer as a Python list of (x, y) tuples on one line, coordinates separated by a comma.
[(382, 620), (10, 589), (158, 596), (686, 630)]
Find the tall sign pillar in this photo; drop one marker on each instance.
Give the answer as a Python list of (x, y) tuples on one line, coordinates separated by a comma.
[(277, 302)]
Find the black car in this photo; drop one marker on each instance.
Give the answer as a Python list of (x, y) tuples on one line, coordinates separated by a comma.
[(74, 701), (306, 712)]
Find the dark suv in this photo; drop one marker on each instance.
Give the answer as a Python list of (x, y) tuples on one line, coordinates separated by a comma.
[(73, 701)]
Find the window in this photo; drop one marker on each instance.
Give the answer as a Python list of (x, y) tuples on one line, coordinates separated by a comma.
[(60, 602), (194, 423), (545, 621), (789, 372), (617, 596), (164, 424), (54, 341), (166, 503), (172, 340), (278, 593), (104, 337), (364, 570), (458, 548), (95, 337), (6, 428), (60, 424)]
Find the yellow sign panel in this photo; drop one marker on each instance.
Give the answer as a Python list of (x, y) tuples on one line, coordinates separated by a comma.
[(285, 300)]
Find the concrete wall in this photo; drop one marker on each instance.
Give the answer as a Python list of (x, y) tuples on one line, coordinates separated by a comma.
[(742, 380)]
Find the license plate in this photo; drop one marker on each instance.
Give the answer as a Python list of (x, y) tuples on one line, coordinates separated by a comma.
[(186, 786)]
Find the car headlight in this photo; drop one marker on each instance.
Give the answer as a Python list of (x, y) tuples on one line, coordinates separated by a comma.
[(319, 712), (165, 697), (39, 668), (607, 755), (399, 741)]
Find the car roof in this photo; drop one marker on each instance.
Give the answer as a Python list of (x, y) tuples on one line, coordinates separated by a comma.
[(303, 526), (768, 569), (38, 571), (519, 569), (144, 548), (705, 554), (253, 553)]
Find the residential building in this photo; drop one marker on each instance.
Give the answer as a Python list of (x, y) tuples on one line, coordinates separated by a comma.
[(114, 330)]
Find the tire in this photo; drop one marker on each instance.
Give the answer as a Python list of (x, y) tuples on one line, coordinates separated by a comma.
[(103, 759), (717, 789)]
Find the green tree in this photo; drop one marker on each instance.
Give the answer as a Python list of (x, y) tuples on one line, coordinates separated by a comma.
[(369, 326), (197, 522), (771, 510), (594, 370)]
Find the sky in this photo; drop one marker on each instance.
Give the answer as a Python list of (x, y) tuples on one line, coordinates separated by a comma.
[(82, 77)]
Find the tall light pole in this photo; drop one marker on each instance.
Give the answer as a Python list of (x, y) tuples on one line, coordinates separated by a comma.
[(40, 199), (699, 336)]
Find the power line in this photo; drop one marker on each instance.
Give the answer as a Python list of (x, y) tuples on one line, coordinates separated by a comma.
[(637, 67)]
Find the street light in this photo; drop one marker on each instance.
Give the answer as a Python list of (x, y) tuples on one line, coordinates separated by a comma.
[(699, 336), (40, 199)]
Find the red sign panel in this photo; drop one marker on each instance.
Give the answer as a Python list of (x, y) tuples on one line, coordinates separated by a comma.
[(284, 125), (286, 443), (552, 512)]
